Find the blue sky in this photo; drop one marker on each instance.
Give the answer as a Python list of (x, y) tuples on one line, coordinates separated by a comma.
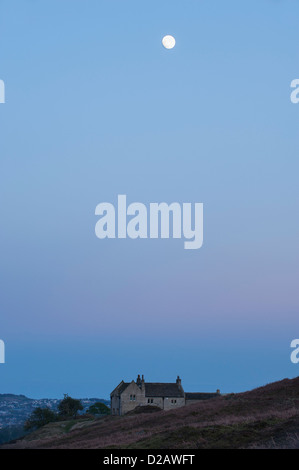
[(96, 107)]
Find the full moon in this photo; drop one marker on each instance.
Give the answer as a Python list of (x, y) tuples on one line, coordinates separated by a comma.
[(168, 42)]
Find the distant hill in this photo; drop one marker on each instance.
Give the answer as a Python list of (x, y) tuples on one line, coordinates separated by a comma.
[(267, 417), (16, 409)]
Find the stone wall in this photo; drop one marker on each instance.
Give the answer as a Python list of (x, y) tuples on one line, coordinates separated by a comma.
[(131, 397), (115, 405), (172, 403)]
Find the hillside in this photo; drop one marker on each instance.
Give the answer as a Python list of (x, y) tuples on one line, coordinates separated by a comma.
[(264, 417), (16, 409)]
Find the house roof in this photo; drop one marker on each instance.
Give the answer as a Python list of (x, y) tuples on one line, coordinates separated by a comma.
[(200, 396), (123, 387), (163, 390), (120, 388)]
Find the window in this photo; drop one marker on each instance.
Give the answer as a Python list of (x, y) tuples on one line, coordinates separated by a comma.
[(150, 400), (134, 397), (131, 397)]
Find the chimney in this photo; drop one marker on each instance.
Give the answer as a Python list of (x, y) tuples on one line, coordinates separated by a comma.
[(138, 381), (218, 391), (142, 383), (178, 380)]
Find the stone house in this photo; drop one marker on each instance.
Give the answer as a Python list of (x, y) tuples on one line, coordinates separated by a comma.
[(128, 395)]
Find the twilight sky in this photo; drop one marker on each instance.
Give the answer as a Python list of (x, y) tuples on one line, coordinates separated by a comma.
[(96, 107)]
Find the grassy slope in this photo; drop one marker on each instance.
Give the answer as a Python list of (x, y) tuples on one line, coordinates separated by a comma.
[(264, 417)]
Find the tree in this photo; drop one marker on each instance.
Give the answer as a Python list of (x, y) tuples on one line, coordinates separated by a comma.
[(40, 417), (69, 407), (99, 408)]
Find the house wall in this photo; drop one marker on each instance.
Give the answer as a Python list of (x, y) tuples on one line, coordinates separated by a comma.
[(165, 403), (126, 403), (157, 401), (115, 405), (173, 402)]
